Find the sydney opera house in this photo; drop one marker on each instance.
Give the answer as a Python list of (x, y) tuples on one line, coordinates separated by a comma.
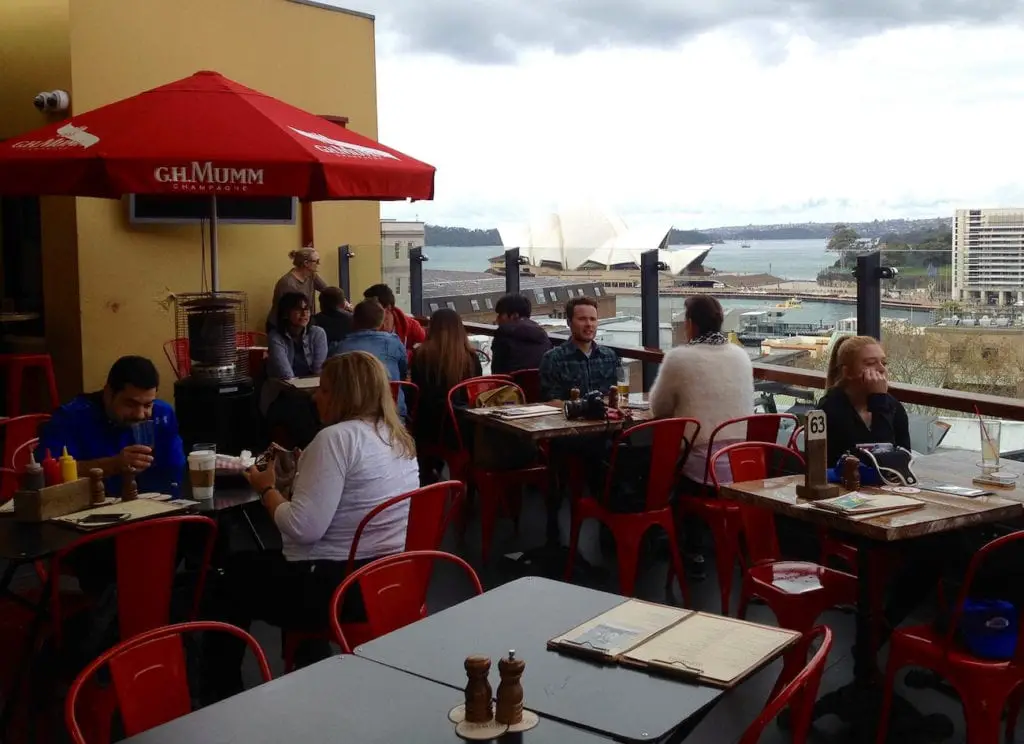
[(589, 239)]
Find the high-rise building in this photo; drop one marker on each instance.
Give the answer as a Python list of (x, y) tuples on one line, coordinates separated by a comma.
[(988, 256), (396, 238)]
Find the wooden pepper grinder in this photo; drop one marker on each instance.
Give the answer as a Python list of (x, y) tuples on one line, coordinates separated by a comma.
[(99, 495), (851, 473), (478, 690), (510, 691), (129, 488)]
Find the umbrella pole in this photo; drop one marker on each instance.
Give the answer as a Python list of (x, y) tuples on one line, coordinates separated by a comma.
[(214, 269)]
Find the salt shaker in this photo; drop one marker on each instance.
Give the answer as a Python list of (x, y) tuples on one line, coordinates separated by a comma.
[(851, 473)]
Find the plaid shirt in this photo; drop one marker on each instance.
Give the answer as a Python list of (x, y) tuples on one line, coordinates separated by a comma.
[(566, 367)]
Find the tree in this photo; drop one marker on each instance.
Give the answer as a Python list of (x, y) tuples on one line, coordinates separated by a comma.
[(843, 239)]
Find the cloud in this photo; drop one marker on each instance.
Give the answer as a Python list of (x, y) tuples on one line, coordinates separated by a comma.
[(502, 31)]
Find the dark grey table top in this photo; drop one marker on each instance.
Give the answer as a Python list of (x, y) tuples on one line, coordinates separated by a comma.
[(342, 699), (524, 615)]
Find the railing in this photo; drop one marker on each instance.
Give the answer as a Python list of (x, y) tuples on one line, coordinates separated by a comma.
[(952, 400)]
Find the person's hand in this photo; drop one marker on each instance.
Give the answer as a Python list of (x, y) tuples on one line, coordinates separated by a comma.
[(261, 479), (875, 382), (136, 456)]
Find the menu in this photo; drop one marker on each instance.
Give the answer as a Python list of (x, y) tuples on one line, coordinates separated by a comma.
[(620, 629)]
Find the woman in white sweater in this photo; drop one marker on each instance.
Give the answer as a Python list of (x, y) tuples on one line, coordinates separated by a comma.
[(707, 378), (362, 457)]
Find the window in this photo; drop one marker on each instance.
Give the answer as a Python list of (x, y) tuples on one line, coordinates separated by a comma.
[(539, 294), (475, 305), (398, 250), (489, 303), (552, 296), (398, 285), (450, 304), (434, 307), (410, 244), (598, 291)]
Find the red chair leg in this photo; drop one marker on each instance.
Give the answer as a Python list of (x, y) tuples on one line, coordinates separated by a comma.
[(726, 553), (15, 373), (289, 645), (51, 383), (490, 492), (627, 551), (984, 719), (574, 541), (677, 564), (1013, 710)]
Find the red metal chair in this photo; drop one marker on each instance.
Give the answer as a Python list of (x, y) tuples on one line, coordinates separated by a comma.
[(16, 365), (672, 440), (529, 381), (430, 509), (394, 592), (766, 576), (720, 515), (412, 398), (146, 556), (149, 678), (986, 687), (799, 695), (178, 356), (17, 433), (249, 339)]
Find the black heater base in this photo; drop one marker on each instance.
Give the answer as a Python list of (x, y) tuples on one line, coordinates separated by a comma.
[(217, 411)]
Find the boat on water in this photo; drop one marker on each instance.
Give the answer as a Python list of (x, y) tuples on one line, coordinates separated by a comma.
[(789, 304), (744, 244)]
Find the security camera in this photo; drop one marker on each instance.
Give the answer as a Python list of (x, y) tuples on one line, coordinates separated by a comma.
[(52, 102)]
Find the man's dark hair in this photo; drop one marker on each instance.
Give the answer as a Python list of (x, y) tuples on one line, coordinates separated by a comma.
[(136, 371), (514, 304), (575, 302), (705, 312), (367, 316), (331, 298), (288, 302), (382, 293)]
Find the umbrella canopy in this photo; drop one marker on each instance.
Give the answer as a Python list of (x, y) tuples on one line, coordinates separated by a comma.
[(207, 135)]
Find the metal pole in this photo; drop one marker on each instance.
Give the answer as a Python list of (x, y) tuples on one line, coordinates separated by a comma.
[(416, 259), (344, 277), (512, 271), (649, 335), (869, 294), (214, 252)]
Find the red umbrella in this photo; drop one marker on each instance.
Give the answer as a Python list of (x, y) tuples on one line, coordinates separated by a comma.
[(207, 135)]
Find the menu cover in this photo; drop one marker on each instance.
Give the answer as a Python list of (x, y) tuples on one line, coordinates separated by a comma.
[(696, 646), (867, 503)]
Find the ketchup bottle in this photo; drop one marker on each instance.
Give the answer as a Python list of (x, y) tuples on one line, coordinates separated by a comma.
[(51, 470)]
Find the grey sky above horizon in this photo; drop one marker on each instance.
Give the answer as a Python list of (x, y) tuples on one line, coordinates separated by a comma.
[(697, 114)]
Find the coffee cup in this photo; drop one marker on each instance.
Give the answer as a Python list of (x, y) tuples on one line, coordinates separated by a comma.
[(202, 466)]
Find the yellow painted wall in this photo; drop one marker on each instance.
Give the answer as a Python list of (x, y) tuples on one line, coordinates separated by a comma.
[(35, 56), (317, 59)]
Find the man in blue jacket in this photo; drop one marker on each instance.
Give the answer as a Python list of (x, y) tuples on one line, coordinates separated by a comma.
[(97, 430)]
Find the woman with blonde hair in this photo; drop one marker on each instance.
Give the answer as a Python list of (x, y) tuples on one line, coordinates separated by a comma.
[(857, 403), (302, 278), (362, 457)]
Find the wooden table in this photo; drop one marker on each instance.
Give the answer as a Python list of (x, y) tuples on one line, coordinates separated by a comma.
[(616, 701), (857, 704), (341, 699), (556, 426)]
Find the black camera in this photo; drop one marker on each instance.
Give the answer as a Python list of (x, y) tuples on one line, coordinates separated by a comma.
[(590, 407)]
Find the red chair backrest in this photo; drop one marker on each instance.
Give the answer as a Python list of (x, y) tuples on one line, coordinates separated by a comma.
[(247, 339), (672, 440), (429, 508), (412, 396), (178, 356), (796, 441), (751, 461), (472, 389), (529, 381), (799, 695), (761, 427), (393, 590), (146, 555), (150, 678), (17, 432)]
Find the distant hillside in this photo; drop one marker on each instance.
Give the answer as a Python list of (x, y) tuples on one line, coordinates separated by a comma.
[(823, 230), (464, 237)]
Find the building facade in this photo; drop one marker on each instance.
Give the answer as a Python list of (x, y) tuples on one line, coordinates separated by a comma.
[(988, 256), (108, 286), (397, 238)]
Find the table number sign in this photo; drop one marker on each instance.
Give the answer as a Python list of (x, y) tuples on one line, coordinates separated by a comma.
[(816, 485)]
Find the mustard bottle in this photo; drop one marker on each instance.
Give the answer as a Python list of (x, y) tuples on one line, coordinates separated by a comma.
[(68, 467)]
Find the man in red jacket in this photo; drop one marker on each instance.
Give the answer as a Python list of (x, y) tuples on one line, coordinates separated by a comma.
[(408, 330)]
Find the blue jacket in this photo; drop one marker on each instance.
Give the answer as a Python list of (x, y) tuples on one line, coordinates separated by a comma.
[(83, 427), (281, 354), (388, 348)]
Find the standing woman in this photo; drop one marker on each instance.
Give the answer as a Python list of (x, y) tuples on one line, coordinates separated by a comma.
[(857, 403), (303, 278), (442, 361), (361, 458)]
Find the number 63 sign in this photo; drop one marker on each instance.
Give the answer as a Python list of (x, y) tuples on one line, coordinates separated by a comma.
[(816, 485)]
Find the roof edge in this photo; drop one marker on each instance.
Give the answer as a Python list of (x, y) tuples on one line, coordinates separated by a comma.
[(335, 8)]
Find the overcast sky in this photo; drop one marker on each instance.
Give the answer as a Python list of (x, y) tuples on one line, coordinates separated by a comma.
[(700, 114)]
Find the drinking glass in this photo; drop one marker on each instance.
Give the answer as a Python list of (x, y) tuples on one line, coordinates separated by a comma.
[(622, 382), (144, 433), (990, 434)]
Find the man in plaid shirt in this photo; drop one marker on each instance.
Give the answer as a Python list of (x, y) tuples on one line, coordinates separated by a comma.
[(579, 362)]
